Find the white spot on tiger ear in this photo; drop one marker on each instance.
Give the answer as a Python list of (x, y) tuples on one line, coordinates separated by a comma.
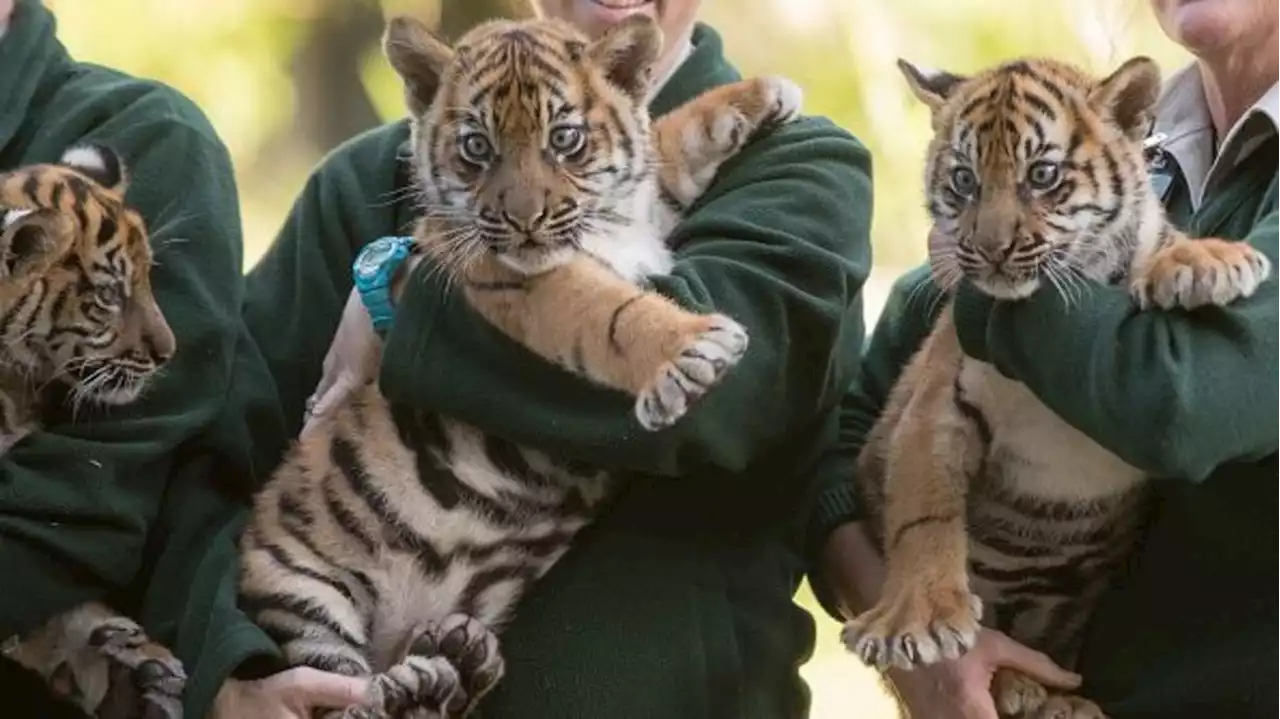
[(12, 216), (929, 73), (86, 157)]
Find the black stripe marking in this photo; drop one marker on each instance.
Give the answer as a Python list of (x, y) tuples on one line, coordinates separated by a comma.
[(919, 522), (616, 319), (401, 536)]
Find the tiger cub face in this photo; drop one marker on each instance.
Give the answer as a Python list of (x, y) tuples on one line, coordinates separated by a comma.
[(75, 290), (1036, 171), (527, 134)]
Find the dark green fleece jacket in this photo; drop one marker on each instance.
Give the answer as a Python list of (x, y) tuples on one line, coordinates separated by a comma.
[(678, 602), (1189, 397), (137, 505)]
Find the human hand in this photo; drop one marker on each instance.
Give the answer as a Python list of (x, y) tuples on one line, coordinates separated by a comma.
[(291, 694), (352, 361), (961, 688)]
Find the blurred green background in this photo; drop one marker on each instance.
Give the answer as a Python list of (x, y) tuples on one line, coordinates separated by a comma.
[(284, 81)]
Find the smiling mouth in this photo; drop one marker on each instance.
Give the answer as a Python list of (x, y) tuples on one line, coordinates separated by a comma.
[(622, 4)]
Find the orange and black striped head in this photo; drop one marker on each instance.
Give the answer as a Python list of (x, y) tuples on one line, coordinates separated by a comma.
[(527, 134), (1036, 171), (76, 303)]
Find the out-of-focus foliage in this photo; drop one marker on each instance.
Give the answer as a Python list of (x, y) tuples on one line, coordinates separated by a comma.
[(285, 80)]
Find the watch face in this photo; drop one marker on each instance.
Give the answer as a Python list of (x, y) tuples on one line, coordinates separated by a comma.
[(373, 257)]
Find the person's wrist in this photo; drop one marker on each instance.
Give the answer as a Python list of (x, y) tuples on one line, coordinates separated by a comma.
[(853, 569)]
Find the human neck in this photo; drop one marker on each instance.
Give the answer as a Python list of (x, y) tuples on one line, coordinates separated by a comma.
[(1235, 78)]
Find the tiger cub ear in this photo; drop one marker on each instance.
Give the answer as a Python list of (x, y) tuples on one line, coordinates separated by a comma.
[(627, 52), (1127, 97), (99, 163), (28, 243), (419, 57), (932, 87)]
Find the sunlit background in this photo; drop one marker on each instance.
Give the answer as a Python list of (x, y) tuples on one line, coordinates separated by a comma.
[(284, 81)]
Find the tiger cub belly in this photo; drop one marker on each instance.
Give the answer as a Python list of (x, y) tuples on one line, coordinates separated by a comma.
[(1051, 518), (391, 521)]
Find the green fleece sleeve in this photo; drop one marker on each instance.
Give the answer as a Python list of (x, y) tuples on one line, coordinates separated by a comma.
[(904, 323), (77, 499), (189, 594), (1176, 394), (780, 243), (296, 292)]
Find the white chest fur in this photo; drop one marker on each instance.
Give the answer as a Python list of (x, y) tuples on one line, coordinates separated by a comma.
[(638, 248), (1035, 452)]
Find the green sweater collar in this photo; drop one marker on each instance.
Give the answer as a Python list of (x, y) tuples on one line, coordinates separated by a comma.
[(29, 54), (703, 69)]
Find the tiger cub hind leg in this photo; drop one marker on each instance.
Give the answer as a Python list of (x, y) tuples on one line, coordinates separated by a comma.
[(695, 139), (105, 663), (1190, 274), (1018, 696)]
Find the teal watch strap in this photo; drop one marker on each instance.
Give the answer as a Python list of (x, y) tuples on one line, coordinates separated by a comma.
[(373, 270)]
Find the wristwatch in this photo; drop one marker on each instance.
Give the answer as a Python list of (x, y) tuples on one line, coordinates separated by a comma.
[(373, 270)]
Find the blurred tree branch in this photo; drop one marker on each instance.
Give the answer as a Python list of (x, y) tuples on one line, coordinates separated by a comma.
[(330, 102)]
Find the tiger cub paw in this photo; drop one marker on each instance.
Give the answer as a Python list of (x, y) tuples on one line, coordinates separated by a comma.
[(1016, 694), (472, 648), (144, 678), (783, 98), (915, 626), (419, 686), (701, 361), (1196, 273), (1067, 706)]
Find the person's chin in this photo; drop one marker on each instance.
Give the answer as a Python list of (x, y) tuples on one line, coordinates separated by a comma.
[(603, 14), (1203, 27)]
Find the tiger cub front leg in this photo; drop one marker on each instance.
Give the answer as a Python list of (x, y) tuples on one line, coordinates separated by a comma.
[(926, 610), (694, 139), (1190, 273), (589, 320), (105, 663)]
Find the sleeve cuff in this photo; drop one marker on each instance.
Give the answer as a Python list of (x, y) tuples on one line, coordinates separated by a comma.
[(972, 313), (406, 349), (836, 505), (244, 651), (49, 587)]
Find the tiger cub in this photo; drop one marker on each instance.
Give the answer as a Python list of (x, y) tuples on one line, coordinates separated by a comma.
[(77, 310), (983, 496), (570, 217), (395, 543)]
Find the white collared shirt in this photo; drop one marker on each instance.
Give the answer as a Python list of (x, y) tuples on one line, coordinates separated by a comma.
[(686, 49), (1182, 116)]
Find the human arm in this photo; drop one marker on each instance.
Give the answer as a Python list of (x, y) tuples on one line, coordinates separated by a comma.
[(780, 244), (298, 290), (1174, 393)]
